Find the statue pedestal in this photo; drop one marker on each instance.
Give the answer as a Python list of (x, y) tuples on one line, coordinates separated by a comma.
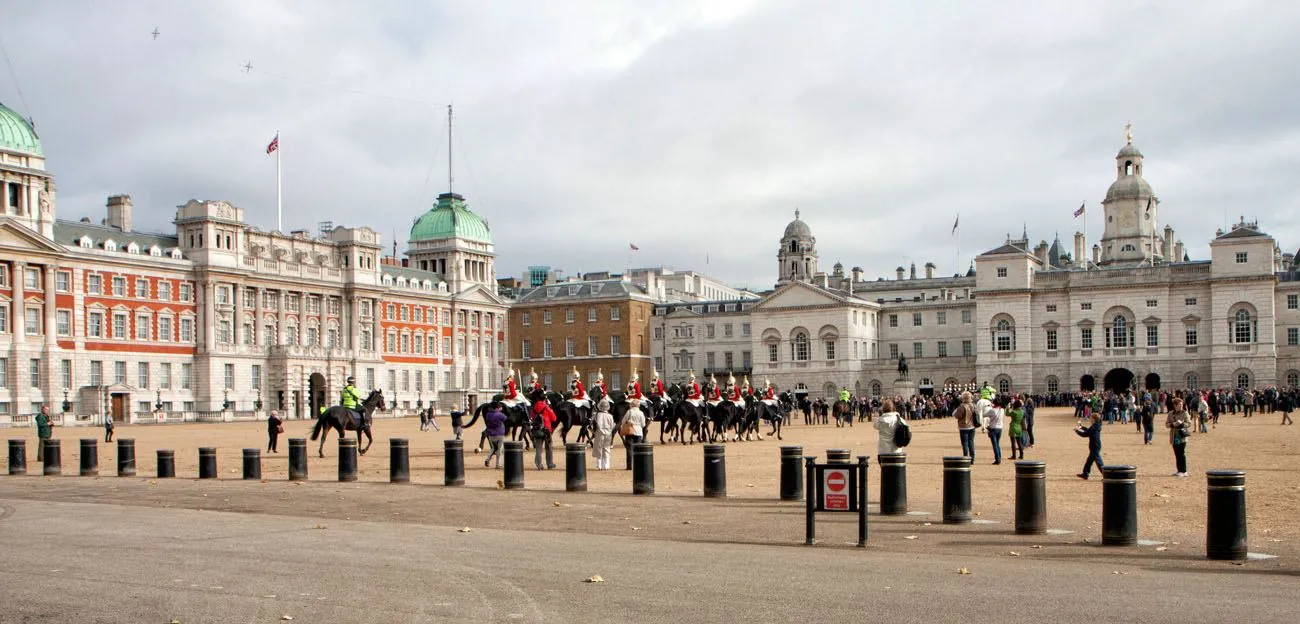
[(904, 388)]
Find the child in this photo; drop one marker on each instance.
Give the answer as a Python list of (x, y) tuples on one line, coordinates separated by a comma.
[(1093, 433)]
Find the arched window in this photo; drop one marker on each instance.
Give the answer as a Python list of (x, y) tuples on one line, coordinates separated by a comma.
[(1293, 379), (1053, 385), (1004, 336), (1004, 384), (1242, 327), (875, 388), (1243, 380), (1192, 381), (800, 347)]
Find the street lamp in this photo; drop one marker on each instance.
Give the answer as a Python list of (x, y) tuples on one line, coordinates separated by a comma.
[(419, 401), (158, 401), (257, 405), (225, 405), (67, 405)]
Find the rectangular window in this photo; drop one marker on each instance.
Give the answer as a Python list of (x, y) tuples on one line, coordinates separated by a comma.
[(119, 326), (34, 369), (1153, 335), (65, 368), (708, 331), (830, 349), (941, 317), (1191, 301), (546, 348), (746, 359), (165, 376), (613, 313), (659, 333), (229, 375), (187, 329), (710, 359), (1151, 303), (165, 290), (223, 331), (1292, 302), (546, 317), (916, 319), (32, 279), (119, 373), (141, 288), (63, 322), (728, 360), (965, 317), (893, 320), (917, 349), (526, 349), (569, 346), (187, 372), (32, 321), (568, 315), (165, 329), (142, 374), (142, 327), (967, 348), (526, 319), (1051, 340), (1292, 336), (593, 346), (96, 373), (1085, 306), (744, 329), (95, 324), (893, 351), (772, 353), (95, 284), (726, 330), (119, 286), (1190, 337), (943, 348), (1051, 307), (1241, 257), (63, 281), (615, 346), (1002, 272), (1085, 338), (187, 291)]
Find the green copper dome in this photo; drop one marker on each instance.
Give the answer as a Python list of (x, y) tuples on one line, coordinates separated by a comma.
[(450, 217), (16, 134)]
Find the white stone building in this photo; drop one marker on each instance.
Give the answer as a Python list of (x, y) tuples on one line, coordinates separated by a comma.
[(1136, 312), (218, 319)]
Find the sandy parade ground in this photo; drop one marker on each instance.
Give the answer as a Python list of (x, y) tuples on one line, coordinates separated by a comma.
[(1171, 510)]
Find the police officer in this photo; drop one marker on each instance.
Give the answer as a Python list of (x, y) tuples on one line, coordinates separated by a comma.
[(351, 399)]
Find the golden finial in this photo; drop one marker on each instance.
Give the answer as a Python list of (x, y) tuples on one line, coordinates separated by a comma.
[(1128, 132)]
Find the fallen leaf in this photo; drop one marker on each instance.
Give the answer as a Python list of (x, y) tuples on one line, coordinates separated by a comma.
[(749, 485), (909, 537), (501, 485), (594, 579), (1014, 554), (269, 596), (1036, 547), (319, 527), (977, 513), (1161, 548), (926, 524), (963, 571), (689, 522), (465, 530), (636, 528), (1114, 571), (286, 617), (556, 504)]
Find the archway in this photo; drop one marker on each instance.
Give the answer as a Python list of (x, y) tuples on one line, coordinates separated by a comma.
[(1087, 383), (1152, 381), (1118, 380), (316, 393)]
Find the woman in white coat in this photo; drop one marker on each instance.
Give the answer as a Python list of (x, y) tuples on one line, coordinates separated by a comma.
[(885, 424), (602, 434)]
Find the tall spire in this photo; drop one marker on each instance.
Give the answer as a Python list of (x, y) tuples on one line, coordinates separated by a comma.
[(450, 178)]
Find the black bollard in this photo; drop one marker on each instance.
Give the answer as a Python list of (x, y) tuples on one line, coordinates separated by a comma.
[(956, 490), (347, 459), (715, 471), (575, 467), (53, 465), (791, 473), (1031, 497), (453, 471), (837, 456), (126, 457), (297, 459), (643, 468), (17, 457), (166, 464), (893, 483), (89, 457), (513, 465), (399, 460), (1119, 513), (207, 462), (252, 463), (1225, 515)]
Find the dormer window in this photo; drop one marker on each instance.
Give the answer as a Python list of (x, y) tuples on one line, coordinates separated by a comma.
[(176, 253), (155, 251), (110, 245), (85, 242), (133, 248)]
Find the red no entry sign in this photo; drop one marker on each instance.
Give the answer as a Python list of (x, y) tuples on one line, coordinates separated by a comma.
[(836, 497)]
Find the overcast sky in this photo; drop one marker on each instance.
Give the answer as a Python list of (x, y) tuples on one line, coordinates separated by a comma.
[(692, 132)]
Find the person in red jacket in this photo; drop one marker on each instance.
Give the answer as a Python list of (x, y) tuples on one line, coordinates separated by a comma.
[(769, 393), (543, 423), (600, 384), (657, 386), (534, 385), (715, 391), (733, 391), (579, 394), (693, 394), (634, 387), (511, 396)]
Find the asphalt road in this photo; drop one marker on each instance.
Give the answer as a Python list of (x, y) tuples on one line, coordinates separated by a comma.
[(78, 562)]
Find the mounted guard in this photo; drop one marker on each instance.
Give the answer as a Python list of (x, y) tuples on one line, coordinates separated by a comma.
[(579, 394), (511, 396), (534, 385), (693, 394), (769, 393)]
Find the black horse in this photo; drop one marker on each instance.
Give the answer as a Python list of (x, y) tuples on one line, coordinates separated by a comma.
[(344, 419), (568, 415), (516, 421)]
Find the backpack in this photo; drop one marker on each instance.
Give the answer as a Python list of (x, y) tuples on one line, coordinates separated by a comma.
[(975, 417), (902, 434)]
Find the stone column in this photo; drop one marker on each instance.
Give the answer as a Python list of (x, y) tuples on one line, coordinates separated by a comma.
[(18, 309), (237, 328), (280, 316), (259, 335), (51, 335), (207, 315)]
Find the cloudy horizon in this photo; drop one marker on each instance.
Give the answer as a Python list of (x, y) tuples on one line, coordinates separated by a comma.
[(693, 133)]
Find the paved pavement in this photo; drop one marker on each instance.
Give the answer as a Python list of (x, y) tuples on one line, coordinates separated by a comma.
[(81, 562)]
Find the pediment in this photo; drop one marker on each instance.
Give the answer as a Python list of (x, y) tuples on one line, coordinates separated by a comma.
[(1191, 319), (1151, 320), (1051, 325), (1086, 323), (17, 237), (476, 293), (798, 295)]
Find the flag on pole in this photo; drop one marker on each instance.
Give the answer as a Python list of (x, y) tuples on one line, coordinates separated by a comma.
[(1079, 212), (274, 145), (633, 247), (954, 225)]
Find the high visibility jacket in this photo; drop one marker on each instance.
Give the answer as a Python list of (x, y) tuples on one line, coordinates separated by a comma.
[(351, 399)]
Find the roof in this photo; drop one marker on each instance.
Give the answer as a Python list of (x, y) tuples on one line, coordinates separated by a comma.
[(797, 228), (1129, 150), (70, 233), (1005, 249), (450, 217), (1242, 231), (410, 273), (1128, 187), (577, 291), (17, 134)]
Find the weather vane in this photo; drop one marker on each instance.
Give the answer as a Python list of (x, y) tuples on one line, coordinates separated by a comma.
[(1128, 132), (248, 66), (155, 32)]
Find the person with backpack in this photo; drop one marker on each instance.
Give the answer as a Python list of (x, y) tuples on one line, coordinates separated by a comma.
[(542, 424), (889, 424)]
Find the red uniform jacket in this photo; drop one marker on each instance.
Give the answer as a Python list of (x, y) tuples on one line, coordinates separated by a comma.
[(716, 394), (734, 395), (659, 387), (512, 390), (693, 391), (636, 391), (769, 394), (578, 391)]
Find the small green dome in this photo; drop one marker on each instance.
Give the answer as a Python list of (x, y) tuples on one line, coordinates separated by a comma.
[(16, 134), (450, 217)]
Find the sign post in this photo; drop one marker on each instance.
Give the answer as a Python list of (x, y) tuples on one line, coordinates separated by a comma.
[(835, 488)]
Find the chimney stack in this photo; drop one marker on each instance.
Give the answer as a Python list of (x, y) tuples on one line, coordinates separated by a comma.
[(929, 270), (1096, 254), (913, 273), (119, 212), (857, 274), (1167, 248), (899, 271), (1080, 245), (1179, 251), (1041, 252)]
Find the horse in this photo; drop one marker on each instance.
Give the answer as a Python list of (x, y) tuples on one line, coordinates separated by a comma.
[(843, 412), (568, 415), (516, 421), (344, 419)]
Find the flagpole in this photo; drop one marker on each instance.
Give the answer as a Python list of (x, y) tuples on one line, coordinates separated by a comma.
[(279, 192)]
